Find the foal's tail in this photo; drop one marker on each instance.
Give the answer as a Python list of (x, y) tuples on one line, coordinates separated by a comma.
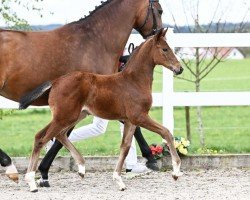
[(29, 98)]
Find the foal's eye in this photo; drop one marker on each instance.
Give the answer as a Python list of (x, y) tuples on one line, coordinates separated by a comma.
[(165, 50), (160, 12)]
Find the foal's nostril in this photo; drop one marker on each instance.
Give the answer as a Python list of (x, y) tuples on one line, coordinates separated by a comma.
[(179, 71)]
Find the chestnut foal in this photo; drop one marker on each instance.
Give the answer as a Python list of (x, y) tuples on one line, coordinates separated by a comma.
[(122, 96)]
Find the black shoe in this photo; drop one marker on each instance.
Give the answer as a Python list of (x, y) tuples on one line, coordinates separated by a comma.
[(152, 165)]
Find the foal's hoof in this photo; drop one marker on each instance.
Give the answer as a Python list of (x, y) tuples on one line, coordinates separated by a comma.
[(34, 191), (13, 177), (122, 188), (33, 187), (176, 175), (43, 183), (81, 174)]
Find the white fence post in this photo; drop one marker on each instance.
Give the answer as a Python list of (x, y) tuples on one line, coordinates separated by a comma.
[(167, 91)]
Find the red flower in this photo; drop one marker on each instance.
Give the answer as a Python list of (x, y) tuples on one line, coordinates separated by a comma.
[(156, 149), (159, 149), (153, 149)]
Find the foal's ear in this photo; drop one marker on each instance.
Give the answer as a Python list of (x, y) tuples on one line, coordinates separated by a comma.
[(159, 35), (165, 32)]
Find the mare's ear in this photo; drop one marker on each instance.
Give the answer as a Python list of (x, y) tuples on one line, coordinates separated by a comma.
[(158, 35)]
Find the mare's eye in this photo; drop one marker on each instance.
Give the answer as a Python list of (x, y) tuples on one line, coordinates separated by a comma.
[(160, 12), (165, 50)]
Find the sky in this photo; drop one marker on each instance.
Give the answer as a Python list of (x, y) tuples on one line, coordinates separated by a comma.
[(65, 11)]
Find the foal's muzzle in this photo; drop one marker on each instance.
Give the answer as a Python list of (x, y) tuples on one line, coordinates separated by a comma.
[(178, 71)]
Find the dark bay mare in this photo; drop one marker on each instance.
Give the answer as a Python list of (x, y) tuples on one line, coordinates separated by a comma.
[(11, 171), (93, 44), (74, 95)]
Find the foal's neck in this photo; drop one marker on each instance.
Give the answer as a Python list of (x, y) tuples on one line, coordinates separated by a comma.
[(140, 68)]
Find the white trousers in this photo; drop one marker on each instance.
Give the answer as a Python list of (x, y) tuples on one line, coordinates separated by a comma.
[(98, 127)]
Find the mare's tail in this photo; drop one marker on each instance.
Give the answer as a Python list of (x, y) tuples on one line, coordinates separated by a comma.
[(29, 98)]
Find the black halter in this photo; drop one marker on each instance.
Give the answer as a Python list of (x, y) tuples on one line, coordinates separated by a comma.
[(154, 28)]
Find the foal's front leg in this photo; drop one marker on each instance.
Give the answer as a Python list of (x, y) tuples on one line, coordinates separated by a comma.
[(129, 130), (146, 122)]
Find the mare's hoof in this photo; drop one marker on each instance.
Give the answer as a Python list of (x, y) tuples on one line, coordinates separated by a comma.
[(13, 177), (43, 183), (81, 174)]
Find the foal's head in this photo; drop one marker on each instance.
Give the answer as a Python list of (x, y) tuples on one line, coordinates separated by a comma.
[(163, 54)]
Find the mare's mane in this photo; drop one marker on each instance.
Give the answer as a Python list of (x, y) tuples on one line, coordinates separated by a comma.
[(103, 4)]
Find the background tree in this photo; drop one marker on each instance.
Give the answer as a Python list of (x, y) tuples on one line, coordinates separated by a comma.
[(204, 64), (11, 18)]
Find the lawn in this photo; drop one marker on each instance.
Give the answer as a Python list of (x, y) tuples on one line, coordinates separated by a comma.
[(227, 128)]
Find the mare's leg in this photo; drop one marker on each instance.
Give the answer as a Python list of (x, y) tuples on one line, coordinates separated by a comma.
[(146, 152), (11, 170), (125, 145), (5, 160), (146, 122), (74, 152)]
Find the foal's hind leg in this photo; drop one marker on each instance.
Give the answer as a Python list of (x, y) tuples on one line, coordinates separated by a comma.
[(47, 162), (50, 156), (74, 152), (129, 130), (41, 139), (146, 122)]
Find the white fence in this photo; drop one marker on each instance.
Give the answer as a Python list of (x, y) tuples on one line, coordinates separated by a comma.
[(171, 98), (168, 98)]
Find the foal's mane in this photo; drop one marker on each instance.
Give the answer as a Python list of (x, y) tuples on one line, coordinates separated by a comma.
[(137, 50)]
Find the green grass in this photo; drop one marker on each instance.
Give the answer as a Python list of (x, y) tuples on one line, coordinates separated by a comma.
[(226, 128)]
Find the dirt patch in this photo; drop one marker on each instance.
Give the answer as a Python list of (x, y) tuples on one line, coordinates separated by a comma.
[(211, 184)]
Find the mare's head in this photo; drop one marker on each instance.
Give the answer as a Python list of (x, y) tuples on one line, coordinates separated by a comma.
[(162, 54), (148, 19)]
